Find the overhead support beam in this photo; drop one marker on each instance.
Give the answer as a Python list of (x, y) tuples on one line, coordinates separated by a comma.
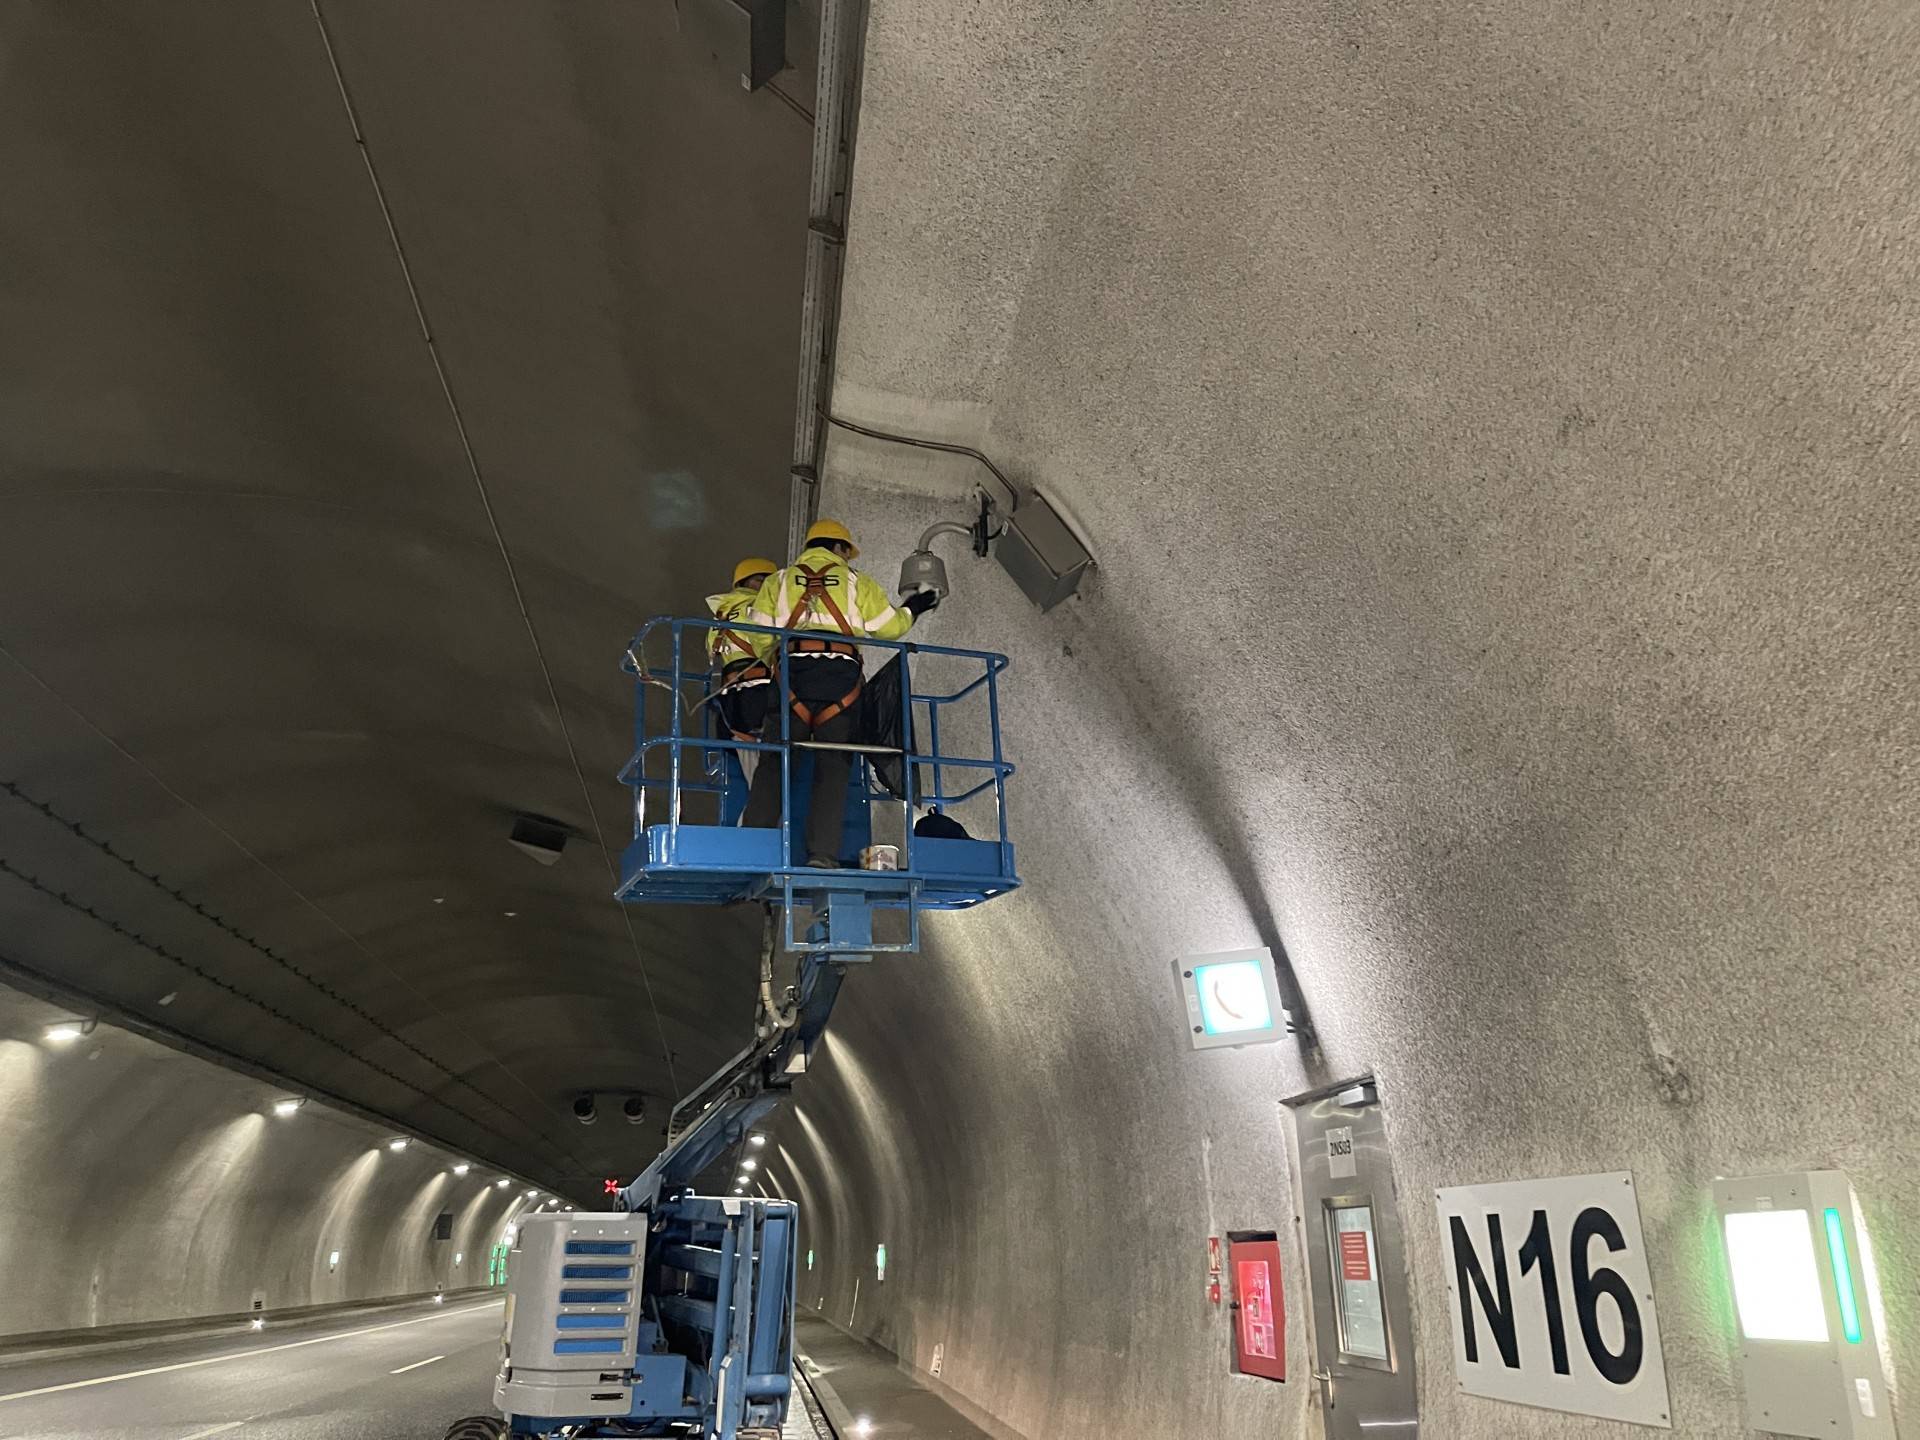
[(843, 34)]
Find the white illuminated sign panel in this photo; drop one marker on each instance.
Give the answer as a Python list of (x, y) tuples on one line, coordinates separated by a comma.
[(1231, 998), (1551, 1299), (1776, 1279)]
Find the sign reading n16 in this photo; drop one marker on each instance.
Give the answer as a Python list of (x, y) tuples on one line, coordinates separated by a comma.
[(1551, 1299)]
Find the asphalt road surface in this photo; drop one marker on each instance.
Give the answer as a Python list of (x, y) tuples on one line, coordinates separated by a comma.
[(401, 1374)]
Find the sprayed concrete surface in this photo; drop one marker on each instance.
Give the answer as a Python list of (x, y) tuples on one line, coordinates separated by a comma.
[(1494, 425)]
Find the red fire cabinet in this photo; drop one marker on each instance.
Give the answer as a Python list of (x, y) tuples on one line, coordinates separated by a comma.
[(1259, 1306)]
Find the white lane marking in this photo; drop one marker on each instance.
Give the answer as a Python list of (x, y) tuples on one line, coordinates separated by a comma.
[(403, 1369), (243, 1354), (214, 1430)]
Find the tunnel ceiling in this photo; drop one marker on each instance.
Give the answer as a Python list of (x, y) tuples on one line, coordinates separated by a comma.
[(298, 610)]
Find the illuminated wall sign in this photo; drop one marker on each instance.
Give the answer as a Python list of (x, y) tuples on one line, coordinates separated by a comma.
[(1802, 1283), (1231, 999), (1551, 1299)]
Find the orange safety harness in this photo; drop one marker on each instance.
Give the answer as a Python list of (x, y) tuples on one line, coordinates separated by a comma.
[(815, 583)]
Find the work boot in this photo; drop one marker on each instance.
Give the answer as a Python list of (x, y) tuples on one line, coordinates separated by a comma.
[(822, 862)]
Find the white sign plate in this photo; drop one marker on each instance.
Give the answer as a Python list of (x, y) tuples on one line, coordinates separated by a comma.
[(1550, 1297), (1340, 1164)]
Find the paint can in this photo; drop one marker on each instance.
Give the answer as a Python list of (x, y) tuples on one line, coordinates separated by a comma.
[(880, 857)]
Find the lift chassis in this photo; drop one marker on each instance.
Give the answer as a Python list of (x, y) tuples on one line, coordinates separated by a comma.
[(674, 1315)]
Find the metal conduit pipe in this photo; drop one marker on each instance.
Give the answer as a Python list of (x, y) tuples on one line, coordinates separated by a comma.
[(945, 527)]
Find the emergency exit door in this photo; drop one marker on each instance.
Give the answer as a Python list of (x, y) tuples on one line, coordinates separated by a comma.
[(1362, 1314)]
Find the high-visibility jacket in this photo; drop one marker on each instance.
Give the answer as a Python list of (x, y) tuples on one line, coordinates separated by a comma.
[(725, 646), (821, 592)]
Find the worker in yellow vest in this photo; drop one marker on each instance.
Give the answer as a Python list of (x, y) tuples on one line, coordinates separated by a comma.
[(823, 596), (745, 683)]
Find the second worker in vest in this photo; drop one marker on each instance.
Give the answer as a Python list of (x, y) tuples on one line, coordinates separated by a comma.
[(822, 595), (745, 683)]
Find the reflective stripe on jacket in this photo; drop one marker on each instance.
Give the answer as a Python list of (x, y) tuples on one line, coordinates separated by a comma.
[(784, 602)]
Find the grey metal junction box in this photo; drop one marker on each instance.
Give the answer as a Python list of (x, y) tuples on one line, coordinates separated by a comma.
[(1044, 557), (749, 36)]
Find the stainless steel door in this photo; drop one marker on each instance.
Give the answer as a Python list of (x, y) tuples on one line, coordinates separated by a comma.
[(1356, 1267)]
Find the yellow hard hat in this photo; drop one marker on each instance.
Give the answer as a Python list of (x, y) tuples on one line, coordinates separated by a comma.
[(832, 530), (753, 565)]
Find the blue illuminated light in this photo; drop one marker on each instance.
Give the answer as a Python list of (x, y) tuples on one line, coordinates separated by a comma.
[(1233, 997)]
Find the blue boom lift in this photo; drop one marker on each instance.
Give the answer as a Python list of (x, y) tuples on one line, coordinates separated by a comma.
[(675, 1315)]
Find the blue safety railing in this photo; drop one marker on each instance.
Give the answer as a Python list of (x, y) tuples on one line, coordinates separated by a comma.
[(675, 858)]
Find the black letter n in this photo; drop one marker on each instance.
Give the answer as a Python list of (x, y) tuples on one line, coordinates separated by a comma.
[(1466, 1266)]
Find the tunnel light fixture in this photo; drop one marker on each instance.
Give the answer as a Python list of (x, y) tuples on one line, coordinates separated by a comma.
[(462, 1168), (65, 1032), (397, 1144), (757, 1141), (532, 1193), (289, 1106), (1805, 1305), (739, 1189), (749, 1164), (458, 1256), (439, 1299), (258, 1323), (880, 1262), (501, 1184), (863, 1426)]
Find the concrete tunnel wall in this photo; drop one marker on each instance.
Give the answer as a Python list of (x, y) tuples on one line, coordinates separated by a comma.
[(141, 1184), (1494, 425)]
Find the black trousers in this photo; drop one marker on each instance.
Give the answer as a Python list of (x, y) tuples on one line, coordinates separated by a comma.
[(817, 683), (743, 711)]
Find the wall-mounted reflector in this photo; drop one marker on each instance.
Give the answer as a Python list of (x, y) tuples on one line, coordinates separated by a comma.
[(1776, 1280), (1231, 999)]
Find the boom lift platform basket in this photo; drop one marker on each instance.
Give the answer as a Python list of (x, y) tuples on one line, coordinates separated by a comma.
[(675, 1318), (680, 754)]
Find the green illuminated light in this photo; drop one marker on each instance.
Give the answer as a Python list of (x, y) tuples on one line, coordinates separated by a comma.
[(809, 1259), (1843, 1276)]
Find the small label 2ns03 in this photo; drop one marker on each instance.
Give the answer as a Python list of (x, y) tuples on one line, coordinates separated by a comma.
[(1551, 1298)]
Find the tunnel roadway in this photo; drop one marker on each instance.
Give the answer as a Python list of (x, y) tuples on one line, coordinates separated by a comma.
[(388, 1375)]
